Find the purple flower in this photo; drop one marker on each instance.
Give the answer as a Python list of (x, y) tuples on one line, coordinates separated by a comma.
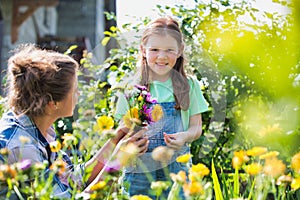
[(150, 99), (112, 166), (141, 87), (25, 164)]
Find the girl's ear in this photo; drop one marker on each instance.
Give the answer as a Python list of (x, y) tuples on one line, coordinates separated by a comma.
[(180, 51), (143, 50)]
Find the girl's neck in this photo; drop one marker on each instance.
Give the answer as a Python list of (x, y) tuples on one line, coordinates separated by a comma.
[(160, 78)]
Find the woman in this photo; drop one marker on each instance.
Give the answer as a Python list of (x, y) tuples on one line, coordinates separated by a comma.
[(43, 88)]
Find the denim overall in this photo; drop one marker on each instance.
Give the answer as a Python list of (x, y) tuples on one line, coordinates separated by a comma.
[(137, 174)]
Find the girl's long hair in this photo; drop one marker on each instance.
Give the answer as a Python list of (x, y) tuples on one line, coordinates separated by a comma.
[(168, 26)]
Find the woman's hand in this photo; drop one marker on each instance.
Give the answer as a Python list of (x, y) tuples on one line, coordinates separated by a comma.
[(139, 139), (120, 134)]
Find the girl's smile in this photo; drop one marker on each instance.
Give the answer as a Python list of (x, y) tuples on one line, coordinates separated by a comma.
[(161, 53)]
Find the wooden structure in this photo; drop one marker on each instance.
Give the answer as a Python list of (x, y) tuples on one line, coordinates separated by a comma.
[(19, 15)]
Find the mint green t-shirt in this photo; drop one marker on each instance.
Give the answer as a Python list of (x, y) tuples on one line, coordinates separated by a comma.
[(163, 92)]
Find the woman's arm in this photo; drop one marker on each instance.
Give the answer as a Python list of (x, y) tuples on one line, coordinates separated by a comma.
[(110, 150), (98, 161)]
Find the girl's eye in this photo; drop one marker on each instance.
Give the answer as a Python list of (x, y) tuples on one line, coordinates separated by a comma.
[(171, 51)]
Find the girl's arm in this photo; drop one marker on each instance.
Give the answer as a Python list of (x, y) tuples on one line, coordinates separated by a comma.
[(177, 140)]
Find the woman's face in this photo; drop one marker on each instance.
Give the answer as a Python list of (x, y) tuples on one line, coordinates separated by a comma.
[(161, 53), (67, 105)]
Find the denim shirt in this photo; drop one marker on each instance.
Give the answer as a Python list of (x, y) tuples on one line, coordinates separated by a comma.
[(36, 149)]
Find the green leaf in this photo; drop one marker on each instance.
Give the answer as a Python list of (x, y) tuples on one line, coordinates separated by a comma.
[(236, 183), (217, 187)]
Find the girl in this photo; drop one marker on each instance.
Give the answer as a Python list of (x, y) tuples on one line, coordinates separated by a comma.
[(162, 73)]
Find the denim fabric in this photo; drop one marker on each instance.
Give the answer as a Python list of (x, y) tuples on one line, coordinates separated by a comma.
[(137, 174), (37, 150)]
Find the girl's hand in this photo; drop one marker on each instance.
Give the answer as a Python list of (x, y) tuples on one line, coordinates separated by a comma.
[(176, 140)]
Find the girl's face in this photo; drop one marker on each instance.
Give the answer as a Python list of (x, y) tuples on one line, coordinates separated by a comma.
[(161, 53)]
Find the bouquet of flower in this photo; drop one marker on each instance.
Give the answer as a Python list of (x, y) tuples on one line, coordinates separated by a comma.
[(143, 109)]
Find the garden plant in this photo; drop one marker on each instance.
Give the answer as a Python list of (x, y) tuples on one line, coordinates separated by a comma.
[(248, 62)]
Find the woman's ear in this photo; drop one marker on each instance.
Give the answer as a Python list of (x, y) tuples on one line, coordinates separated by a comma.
[(53, 105)]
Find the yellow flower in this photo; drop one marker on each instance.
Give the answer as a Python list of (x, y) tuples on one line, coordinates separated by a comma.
[(295, 183), (140, 98), (55, 146), (127, 154), (184, 158), (180, 177), (4, 151), (24, 139), (295, 163), (256, 151), (199, 170), (98, 186), (140, 197), (192, 189), (237, 162), (274, 167), (132, 117), (157, 113), (270, 130), (159, 185), (69, 140), (270, 154), (162, 154), (104, 123), (242, 155), (253, 169)]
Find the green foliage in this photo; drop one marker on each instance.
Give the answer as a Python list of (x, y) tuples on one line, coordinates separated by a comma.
[(248, 62)]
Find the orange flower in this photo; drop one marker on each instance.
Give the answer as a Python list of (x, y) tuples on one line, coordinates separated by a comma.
[(59, 166), (180, 177), (157, 113), (274, 167), (192, 189)]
